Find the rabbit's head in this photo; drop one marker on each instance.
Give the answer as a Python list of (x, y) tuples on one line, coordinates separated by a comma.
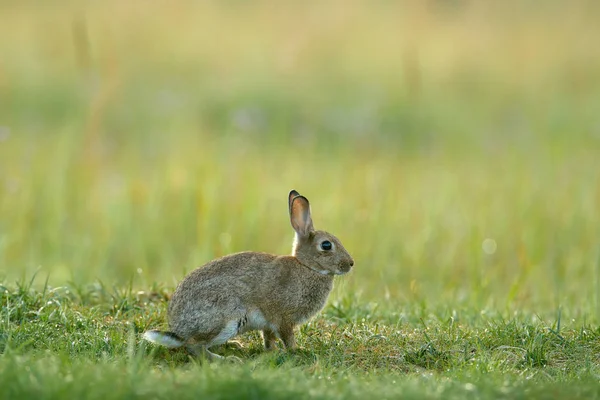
[(317, 250)]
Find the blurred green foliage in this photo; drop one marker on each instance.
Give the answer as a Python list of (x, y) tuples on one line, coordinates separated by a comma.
[(138, 141)]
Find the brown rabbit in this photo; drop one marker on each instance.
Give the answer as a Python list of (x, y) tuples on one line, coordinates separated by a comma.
[(256, 291)]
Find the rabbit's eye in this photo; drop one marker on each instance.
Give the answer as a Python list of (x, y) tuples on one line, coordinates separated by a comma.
[(326, 245)]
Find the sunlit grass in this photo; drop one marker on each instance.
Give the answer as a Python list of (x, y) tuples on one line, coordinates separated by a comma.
[(83, 341)]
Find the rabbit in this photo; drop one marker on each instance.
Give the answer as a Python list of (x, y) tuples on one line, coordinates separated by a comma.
[(256, 291)]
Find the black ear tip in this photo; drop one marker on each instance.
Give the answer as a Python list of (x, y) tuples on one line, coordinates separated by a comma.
[(293, 193)]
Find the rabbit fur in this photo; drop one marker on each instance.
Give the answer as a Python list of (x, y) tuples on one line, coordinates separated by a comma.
[(256, 291)]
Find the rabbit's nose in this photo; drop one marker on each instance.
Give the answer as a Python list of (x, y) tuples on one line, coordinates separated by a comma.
[(345, 267)]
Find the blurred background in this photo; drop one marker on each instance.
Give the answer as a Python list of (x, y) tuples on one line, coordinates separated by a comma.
[(453, 146)]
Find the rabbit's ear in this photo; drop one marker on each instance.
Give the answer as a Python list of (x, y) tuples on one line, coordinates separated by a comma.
[(291, 197), (300, 214)]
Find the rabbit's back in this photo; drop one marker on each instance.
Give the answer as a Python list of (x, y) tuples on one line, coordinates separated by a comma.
[(222, 284)]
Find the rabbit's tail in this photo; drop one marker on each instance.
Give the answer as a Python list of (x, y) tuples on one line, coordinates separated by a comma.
[(167, 339)]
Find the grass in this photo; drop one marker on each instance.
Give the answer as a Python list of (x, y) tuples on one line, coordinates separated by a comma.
[(85, 343), (452, 147)]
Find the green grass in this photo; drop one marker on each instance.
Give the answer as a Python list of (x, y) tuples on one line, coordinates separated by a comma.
[(452, 147), (84, 342)]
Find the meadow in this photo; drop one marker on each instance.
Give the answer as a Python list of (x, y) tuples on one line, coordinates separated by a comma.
[(453, 147)]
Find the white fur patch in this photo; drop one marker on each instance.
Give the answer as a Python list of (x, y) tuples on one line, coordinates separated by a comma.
[(256, 320), (295, 244), (162, 339), (230, 330)]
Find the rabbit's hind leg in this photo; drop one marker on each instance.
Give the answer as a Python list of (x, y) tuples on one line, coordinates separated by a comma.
[(230, 330)]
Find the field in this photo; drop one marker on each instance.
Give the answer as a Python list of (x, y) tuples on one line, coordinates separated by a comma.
[(453, 147)]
